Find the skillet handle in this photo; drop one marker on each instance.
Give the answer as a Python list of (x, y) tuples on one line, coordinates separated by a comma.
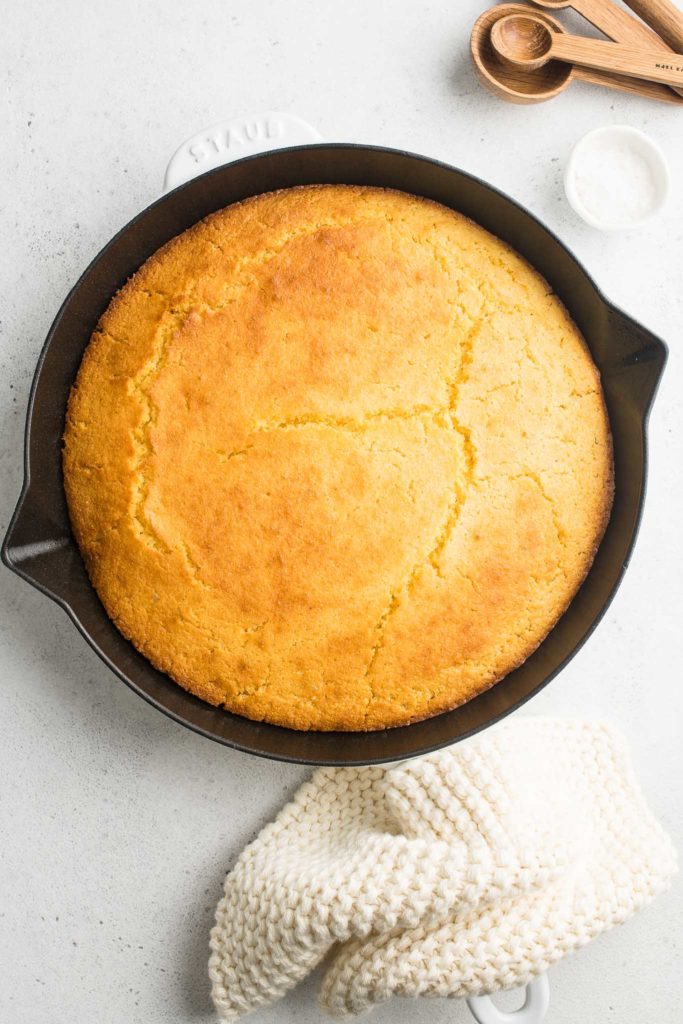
[(36, 546), (533, 1010), (230, 140), (641, 359)]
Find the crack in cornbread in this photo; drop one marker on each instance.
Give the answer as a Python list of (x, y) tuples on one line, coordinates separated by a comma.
[(336, 458)]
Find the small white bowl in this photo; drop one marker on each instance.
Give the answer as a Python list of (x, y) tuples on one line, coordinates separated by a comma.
[(616, 178)]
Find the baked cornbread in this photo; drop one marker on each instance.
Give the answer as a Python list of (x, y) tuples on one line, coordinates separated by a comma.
[(337, 458)]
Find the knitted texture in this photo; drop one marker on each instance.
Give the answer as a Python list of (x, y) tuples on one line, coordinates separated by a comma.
[(457, 874)]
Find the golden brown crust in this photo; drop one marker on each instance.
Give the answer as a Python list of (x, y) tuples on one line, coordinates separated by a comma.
[(337, 458)]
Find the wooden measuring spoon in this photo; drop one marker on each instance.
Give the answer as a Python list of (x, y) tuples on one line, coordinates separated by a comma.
[(517, 85), (525, 41), (618, 24)]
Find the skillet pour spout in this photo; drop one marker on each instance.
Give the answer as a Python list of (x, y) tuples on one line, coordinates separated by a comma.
[(40, 547)]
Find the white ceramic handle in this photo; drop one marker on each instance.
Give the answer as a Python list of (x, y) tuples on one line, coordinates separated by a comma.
[(231, 140), (533, 1011)]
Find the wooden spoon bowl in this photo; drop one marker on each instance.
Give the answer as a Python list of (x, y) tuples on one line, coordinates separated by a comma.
[(516, 85), (522, 41)]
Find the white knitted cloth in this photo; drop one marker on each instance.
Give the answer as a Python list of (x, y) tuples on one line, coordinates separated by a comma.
[(466, 871)]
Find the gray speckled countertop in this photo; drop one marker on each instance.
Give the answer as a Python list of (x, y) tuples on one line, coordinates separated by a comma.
[(116, 825)]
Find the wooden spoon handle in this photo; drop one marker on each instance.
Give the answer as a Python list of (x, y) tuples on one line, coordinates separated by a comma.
[(620, 26), (636, 86), (663, 17), (622, 60)]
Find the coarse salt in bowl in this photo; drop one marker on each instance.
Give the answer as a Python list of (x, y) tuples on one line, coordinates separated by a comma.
[(616, 178)]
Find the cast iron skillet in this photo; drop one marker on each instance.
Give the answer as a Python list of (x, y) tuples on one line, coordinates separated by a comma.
[(39, 545)]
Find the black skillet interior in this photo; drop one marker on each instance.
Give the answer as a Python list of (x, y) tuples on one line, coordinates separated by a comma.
[(39, 545)]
